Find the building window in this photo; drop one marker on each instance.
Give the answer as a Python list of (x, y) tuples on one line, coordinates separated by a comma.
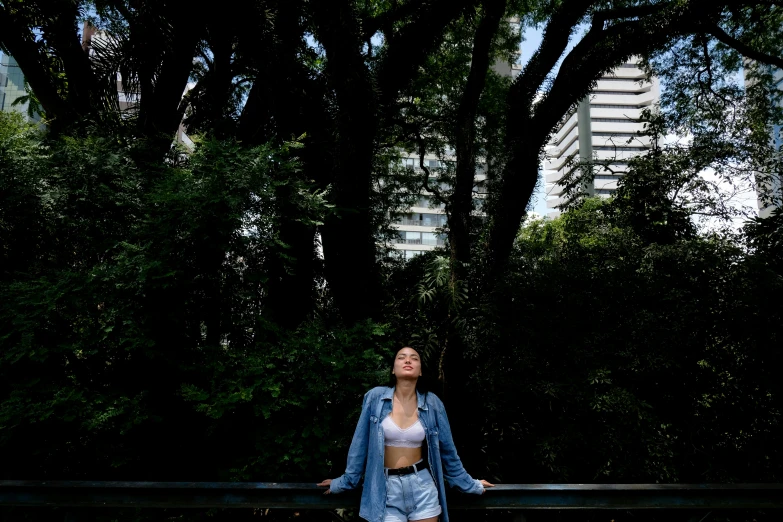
[(429, 238), (433, 220), (421, 238)]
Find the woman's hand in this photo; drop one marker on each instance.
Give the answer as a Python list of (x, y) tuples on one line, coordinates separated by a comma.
[(327, 483), (486, 485)]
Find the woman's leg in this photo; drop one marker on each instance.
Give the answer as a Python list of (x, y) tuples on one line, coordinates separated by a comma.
[(425, 498)]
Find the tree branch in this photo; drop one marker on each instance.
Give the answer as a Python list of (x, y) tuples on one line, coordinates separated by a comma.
[(425, 184), (384, 21), (598, 52), (748, 52), (20, 43), (600, 17), (59, 29), (161, 108), (119, 5), (461, 205), (554, 42), (408, 49)]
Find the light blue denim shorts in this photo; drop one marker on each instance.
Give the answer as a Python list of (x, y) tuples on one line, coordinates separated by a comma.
[(411, 497)]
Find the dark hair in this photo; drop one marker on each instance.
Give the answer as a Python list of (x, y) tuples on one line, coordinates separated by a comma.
[(422, 384)]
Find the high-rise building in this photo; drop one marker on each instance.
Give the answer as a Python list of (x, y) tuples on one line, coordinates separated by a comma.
[(12, 86), (601, 130)]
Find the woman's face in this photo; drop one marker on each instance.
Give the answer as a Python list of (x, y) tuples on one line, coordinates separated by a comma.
[(407, 364)]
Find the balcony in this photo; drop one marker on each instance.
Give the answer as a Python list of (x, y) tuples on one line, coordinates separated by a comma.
[(426, 242), (418, 223)]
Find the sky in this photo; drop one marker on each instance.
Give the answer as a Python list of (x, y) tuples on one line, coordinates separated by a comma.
[(530, 42)]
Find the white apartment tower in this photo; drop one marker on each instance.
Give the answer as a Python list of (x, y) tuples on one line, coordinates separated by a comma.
[(602, 129)]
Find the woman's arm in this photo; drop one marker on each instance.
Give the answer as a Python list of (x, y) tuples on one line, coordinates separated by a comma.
[(357, 454), (453, 470)]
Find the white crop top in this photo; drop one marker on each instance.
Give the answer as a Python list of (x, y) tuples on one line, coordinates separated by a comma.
[(410, 437)]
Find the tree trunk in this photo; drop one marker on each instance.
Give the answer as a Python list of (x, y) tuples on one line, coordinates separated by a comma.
[(511, 204), (350, 253), (20, 42), (455, 367), (285, 103), (461, 201), (161, 110)]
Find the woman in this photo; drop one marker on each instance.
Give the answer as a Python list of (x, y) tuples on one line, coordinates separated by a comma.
[(397, 426)]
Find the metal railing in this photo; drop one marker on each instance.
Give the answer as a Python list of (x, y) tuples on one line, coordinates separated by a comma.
[(29, 493), (428, 242)]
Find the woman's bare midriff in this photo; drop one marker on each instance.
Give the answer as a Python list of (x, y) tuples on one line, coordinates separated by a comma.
[(400, 457)]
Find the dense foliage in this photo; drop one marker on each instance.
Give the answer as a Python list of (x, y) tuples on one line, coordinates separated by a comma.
[(135, 342), (667, 360)]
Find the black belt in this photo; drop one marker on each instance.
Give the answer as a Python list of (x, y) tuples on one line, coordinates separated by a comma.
[(407, 470)]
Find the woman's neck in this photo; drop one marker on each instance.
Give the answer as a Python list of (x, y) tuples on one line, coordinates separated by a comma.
[(405, 390)]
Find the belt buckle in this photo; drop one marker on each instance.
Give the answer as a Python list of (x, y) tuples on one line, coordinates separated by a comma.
[(407, 470)]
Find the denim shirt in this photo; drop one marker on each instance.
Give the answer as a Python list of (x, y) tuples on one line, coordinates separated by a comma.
[(365, 457)]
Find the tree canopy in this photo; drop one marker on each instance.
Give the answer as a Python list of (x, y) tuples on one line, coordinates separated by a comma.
[(368, 78)]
